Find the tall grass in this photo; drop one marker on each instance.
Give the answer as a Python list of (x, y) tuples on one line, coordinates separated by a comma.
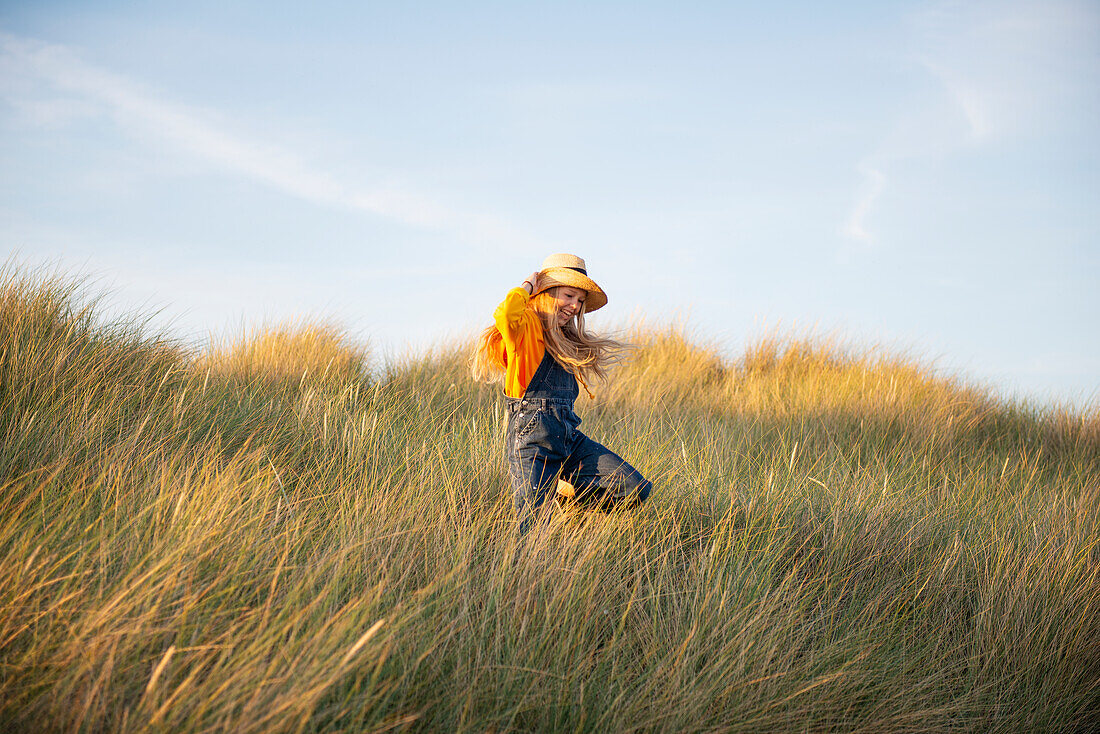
[(267, 537)]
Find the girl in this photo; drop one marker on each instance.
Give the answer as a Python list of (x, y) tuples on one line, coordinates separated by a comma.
[(539, 346)]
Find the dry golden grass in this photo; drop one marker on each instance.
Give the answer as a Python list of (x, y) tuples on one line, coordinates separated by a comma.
[(307, 352), (264, 537)]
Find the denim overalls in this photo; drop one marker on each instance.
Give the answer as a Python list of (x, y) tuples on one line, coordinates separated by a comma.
[(543, 443)]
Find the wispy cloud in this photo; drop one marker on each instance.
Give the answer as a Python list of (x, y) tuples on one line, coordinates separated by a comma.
[(969, 98), (1013, 68), (1001, 70), (873, 183), (54, 86)]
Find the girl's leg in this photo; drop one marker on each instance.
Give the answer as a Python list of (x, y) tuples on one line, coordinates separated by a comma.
[(539, 440), (534, 478), (602, 477)]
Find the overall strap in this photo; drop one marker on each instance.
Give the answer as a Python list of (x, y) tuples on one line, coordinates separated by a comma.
[(543, 370)]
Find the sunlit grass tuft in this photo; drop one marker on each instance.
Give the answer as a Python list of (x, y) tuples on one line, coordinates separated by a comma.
[(309, 352)]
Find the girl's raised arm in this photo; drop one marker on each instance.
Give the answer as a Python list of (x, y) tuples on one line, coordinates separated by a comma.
[(531, 283), (508, 315)]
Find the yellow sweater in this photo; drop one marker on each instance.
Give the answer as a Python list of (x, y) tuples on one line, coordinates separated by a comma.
[(524, 344)]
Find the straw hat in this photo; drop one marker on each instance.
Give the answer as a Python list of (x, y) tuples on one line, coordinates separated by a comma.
[(564, 269)]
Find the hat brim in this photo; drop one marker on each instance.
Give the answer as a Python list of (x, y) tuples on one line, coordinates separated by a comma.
[(553, 277)]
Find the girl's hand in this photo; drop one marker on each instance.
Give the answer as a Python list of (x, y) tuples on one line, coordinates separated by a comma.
[(531, 284)]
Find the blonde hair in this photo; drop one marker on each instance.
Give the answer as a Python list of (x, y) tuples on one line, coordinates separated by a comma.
[(587, 356)]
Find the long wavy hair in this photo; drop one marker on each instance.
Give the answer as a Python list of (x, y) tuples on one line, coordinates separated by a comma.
[(587, 356)]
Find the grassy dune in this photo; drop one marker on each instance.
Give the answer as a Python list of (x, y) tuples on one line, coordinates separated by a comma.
[(266, 537)]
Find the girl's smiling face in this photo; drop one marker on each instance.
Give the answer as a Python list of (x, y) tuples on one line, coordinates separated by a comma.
[(570, 302)]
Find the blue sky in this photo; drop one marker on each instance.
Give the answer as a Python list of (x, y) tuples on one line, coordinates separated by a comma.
[(922, 174)]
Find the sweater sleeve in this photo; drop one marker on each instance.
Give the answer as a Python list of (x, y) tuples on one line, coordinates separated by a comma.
[(521, 335), (509, 314)]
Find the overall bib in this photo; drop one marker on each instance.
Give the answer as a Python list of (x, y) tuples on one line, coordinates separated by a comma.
[(543, 443)]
